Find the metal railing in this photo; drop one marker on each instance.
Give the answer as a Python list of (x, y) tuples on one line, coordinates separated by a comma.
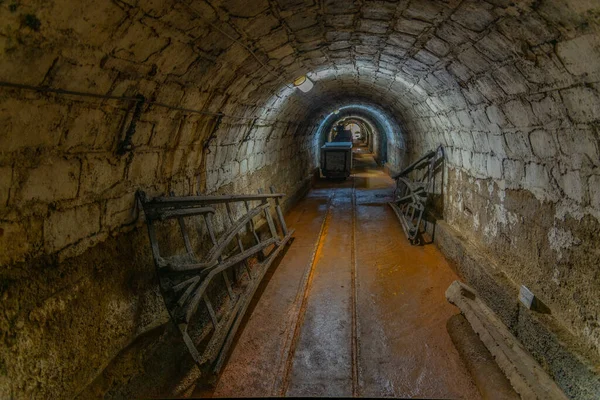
[(207, 317), (413, 186)]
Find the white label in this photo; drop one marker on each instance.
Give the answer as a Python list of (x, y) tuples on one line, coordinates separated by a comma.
[(526, 297)]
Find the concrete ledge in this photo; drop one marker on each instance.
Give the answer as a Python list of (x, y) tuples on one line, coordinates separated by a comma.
[(480, 272), (488, 377), (557, 351), (526, 376)]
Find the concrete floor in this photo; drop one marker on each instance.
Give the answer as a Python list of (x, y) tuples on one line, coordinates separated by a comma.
[(352, 309)]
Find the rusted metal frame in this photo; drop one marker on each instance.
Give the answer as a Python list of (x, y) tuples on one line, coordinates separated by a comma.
[(211, 199), (211, 311), (182, 228), (194, 288), (280, 213), (213, 238), (265, 203), (191, 284), (198, 287), (264, 267), (219, 344), (410, 195), (218, 249), (186, 212), (154, 244), (231, 261), (240, 245), (251, 224), (208, 267)]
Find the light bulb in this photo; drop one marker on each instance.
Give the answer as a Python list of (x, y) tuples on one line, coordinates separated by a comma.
[(303, 83)]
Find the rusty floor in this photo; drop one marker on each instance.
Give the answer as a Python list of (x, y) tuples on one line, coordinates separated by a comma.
[(352, 309)]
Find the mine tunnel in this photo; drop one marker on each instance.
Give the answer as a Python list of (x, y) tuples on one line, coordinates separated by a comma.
[(177, 219)]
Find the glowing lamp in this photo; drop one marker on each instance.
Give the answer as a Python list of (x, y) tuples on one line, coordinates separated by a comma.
[(303, 83)]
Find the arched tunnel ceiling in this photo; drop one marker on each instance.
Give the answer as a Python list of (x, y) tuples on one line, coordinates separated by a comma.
[(414, 58), (242, 55)]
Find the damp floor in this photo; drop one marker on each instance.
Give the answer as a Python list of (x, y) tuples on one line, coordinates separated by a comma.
[(352, 309)]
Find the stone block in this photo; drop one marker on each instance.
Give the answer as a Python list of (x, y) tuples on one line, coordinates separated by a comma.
[(54, 180), (581, 55), (549, 108), (495, 46), (437, 46), (259, 26), (143, 168), (490, 89), (494, 167), (517, 144), (454, 33), (542, 143), (66, 227), (165, 133), (244, 167), (571, 185), (170, 93), (519, 113), (480, 119), (536, 176), (138, 43), (579, 146), (241, 8), (593, 185), (496, 115), (82, 128), (410, 26), (84, 78), (14, 242), (426, 57), (513, 170), (582, 103), (528, 27), (287, 5), (120, 211), (27, 123), (373, 26), (175, 58), (27, 65), (307, 35), (5, 185), (281, 52), (424, 10), (510, 80), (378, 10), (473, 15), (340, 21), (101, 173), (340, 6)]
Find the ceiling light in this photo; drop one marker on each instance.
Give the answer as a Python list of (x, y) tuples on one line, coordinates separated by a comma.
[(303, 83)]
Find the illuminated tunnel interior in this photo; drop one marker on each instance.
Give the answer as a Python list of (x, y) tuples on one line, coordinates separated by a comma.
[(168, 228)]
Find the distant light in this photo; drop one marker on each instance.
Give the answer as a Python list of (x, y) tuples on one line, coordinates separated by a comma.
[(303, 83), (336, 112)]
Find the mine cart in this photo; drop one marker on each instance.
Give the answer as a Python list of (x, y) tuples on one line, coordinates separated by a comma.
[(336, 159)]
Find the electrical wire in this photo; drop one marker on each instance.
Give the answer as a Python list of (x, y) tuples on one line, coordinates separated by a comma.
[(46, 89)]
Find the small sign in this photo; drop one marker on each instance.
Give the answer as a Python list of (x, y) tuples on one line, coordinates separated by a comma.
[(526, 297)]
